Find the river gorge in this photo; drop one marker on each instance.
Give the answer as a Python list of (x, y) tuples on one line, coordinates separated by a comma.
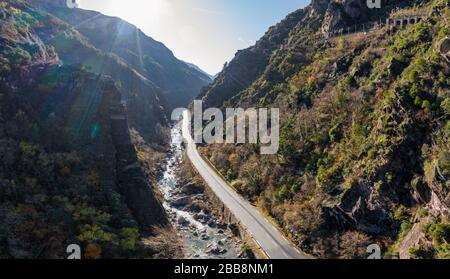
[(203, 234)]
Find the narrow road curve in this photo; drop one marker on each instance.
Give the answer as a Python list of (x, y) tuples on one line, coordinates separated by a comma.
[(262, 230)]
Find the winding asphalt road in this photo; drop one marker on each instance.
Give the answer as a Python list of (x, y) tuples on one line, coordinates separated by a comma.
[(262, 230)]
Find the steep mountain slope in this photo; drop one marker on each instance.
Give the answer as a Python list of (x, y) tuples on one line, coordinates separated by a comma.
[(144, 100), (179, 82), (69, 171), (248, 64), (364, 130)]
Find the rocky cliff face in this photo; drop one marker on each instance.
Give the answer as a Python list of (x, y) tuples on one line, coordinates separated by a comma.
[(342, 14), (132, 182)]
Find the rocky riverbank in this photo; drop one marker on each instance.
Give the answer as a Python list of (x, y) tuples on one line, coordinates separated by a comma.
[(192, 218), (203, 232)]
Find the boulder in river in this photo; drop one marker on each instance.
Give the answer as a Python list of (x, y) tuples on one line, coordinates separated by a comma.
[(202, 217), (204, 237), (191, 189), (183, 221), (180, 202), (216, 250), (212, 224), (222, 226), (193, 207)]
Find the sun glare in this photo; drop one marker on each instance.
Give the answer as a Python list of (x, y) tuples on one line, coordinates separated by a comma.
[(204, 32), (134, 11)]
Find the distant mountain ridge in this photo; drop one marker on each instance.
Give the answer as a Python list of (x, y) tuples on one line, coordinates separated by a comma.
[(179, 82), (200, 70)]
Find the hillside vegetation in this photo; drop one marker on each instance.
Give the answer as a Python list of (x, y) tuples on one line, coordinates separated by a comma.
[(69, 173), (364, 149), (177, 81)]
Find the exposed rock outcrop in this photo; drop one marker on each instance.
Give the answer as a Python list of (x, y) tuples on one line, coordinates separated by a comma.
[(319, 7), (131, 179), (444, 49), (359, 209), (343, 13), (412, 239)]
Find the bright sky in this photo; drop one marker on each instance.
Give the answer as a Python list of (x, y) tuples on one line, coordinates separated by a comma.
[(204, 32)]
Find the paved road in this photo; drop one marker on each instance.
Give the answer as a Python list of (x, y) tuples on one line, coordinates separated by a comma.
[(266, 235)]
